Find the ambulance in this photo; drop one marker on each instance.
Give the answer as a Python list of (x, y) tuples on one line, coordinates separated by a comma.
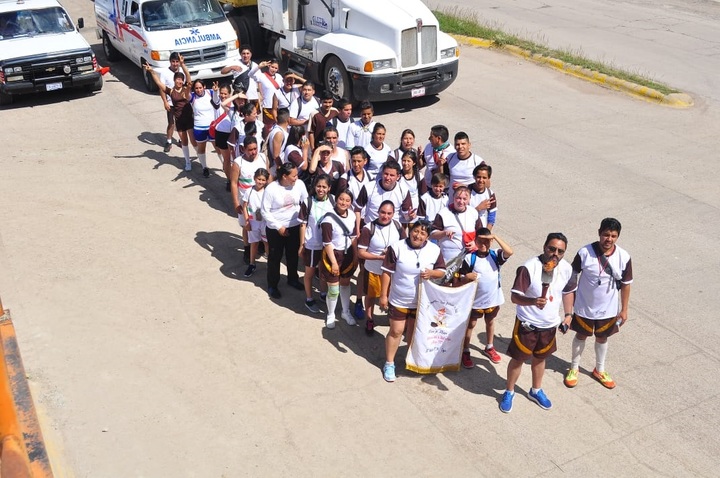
[(148, 31)]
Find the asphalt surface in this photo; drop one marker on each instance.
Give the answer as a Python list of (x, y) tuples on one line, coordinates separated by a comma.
[(149, 355)]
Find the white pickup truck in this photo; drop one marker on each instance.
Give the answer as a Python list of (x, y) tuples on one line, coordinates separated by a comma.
[(41, 50)]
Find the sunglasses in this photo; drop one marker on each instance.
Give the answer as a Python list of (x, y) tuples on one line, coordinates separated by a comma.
[(554, 249)]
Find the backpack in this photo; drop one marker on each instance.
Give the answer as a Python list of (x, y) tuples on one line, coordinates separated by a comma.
[(242, 81), (493, 256)]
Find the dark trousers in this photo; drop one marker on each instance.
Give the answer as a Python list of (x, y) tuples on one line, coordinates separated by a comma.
[(288, 245)]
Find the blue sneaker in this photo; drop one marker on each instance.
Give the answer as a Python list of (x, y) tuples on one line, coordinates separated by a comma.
[(359, 310), (506, 402), (389, 372), (540, 398)]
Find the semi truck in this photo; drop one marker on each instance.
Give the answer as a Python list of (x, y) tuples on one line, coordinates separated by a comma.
[(357, 49)]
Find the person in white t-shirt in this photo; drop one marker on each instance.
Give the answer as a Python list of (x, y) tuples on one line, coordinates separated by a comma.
[(405, 264), (542, 285), (436, 151), (304, 106), (378, 150), (601, 300), (360, 132), (482, 198), (254, 223), (461, 164), (269, 81), (343, 122)]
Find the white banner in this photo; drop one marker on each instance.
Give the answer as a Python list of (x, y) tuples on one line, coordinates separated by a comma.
[(442, 319)]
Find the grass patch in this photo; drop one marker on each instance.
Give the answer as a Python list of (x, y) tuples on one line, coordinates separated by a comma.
[(464, 22)]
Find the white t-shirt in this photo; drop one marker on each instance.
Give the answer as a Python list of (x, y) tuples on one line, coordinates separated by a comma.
[(476, 198), (360, 134), (461, 170), (430, 155), (405, 265), (252, 200), (597, 296), (528, 283), (203, 109), (267, 88), (281, 205), (378, 156), (246, 178), (412, 187), (448, 220), (301, 109), (286, 98), (318, 209), (343, 131), (378, 241), (334, 234), (433, 205), (489, 293)]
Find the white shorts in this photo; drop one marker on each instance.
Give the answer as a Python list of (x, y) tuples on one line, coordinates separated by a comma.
[(258, 232)]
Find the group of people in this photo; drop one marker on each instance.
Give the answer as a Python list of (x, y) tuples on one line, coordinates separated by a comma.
[(309, 181)]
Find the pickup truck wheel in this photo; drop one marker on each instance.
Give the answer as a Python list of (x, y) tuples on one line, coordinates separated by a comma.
[(337, 80), (148, 79), (5, 99), (110, 51)]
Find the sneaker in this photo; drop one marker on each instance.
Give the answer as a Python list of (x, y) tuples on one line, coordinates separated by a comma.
[(604, 378), (250, 270), (206, 173), (540, 398), (312, 306), (506, 402), (492, 354), (188, 166), (348, 317), (168, 146), (571, 378), (466, 360), (389, 372), (359, 310), (330, 322), (369, 327), (274, 293), (296, 284)]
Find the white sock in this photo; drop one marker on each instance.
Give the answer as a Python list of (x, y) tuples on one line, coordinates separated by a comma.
[(201, 158), (186, 153), (535, 390), (331, 303), (577, 349), (600, 354), (345, 297)]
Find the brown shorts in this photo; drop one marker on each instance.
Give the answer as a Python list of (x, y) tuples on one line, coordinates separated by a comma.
[(539, 343), (489, 314), (346, 262), (372, 284), (401, 313), (599, 328), (311, 258)]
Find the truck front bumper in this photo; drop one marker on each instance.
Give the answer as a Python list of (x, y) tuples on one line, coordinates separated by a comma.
[(396, 86), (24, 87)]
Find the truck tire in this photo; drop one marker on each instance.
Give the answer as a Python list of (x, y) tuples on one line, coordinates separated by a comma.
[(110, 51), (150, 85), (5, 99), (337, 80), (248, 31)]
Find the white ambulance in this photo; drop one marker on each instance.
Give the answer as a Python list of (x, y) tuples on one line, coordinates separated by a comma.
[(148, 31)]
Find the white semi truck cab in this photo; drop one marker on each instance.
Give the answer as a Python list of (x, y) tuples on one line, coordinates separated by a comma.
[(358, 49)]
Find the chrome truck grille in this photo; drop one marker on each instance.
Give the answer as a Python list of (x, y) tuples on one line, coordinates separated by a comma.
[(412, 41)]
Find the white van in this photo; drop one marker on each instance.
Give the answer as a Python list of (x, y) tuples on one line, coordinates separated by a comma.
[(148, 31), (41, 50)]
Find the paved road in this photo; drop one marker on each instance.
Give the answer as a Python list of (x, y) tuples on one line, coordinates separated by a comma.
[(149, 356), (674, 41)]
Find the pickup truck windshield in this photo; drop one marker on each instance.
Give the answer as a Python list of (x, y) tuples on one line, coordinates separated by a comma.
[(170, 14), (28, 23)]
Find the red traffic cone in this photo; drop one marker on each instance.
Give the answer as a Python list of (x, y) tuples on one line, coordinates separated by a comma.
[(103, 69)]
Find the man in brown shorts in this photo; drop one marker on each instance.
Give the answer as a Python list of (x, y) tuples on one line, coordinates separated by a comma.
[(541, 285)]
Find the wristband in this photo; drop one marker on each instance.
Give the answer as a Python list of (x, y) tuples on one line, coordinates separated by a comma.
[(568, 314)]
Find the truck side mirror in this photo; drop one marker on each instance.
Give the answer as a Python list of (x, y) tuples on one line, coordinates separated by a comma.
[(81, 23), (132, 20), (227, 7)]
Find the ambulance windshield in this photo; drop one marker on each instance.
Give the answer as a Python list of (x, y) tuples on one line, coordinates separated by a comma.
[(170, 14)]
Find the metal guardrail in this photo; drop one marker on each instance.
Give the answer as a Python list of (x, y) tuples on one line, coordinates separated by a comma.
[(22, 449)]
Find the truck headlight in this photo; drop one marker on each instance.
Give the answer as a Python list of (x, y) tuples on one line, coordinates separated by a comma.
[(10, 70), (449, 53), (233, 45), (160, 55), (83, 59), (371, 66)]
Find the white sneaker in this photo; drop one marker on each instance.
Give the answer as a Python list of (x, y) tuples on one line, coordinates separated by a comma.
[(188, 166), (330, 322), (348, 317)]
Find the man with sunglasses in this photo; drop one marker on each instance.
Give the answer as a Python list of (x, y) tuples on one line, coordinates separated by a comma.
[(541, 285), (605, 271)]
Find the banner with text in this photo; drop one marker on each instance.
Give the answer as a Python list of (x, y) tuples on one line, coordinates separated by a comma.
[(442, 319)]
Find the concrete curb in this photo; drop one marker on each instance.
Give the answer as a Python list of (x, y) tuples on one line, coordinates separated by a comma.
[(675, 100)]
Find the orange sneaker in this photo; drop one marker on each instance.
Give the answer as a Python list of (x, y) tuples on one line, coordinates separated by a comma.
[(571, 379), (604, 379)]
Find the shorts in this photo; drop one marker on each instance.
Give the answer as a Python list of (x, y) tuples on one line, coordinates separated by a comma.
[(346, 262), (171, 116), (600, 328), (201, 135), (538, 343), (401, 313), (311, 257), (257, 234), (490, 313), (184, 119), (241, 220), (221, 140), (372, 284)]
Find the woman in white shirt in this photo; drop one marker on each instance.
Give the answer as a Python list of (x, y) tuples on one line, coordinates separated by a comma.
[(378, 150), (281, 212), (405, 264)]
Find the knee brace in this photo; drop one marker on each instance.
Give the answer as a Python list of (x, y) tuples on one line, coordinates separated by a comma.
[(333, 291)]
